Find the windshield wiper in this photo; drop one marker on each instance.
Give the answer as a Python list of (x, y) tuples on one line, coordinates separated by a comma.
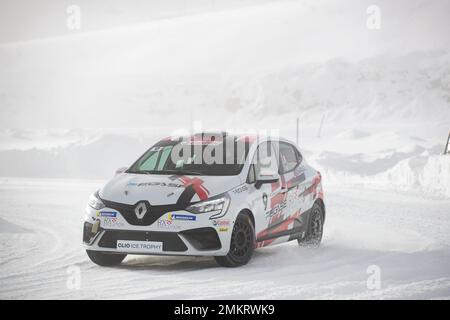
[(180, 172), (144, 171)]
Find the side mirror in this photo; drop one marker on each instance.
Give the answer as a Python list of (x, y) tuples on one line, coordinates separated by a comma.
[(120, 170), (266, 176)]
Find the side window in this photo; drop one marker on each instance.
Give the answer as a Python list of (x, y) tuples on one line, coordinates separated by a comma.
[(164, 156), (251, 178), (265, 158), (150, 162), (288, 157)]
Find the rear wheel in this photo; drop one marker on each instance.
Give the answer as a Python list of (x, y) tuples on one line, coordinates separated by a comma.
[(315, 228), (105, 259), (242, 243)]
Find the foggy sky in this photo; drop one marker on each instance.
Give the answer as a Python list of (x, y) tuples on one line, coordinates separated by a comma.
[(22, 20)]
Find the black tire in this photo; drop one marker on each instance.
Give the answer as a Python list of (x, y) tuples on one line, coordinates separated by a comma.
[(242, 243), (105, 259), (314, 233)]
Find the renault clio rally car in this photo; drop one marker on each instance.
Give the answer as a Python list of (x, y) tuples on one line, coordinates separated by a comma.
[(207, 194)]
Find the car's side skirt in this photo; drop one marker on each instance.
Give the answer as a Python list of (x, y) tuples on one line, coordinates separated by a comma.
[(296, 232)]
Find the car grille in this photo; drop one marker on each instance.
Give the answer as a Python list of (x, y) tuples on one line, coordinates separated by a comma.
[(171, 241), (153, 212)]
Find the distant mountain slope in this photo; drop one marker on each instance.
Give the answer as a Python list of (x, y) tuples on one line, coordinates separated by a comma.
[(161, 73), (380, 111)]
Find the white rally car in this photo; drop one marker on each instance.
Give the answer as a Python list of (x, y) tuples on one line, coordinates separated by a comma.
[(208, 194)]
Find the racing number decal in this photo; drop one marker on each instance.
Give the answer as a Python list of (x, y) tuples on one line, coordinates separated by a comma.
[(264, 199)]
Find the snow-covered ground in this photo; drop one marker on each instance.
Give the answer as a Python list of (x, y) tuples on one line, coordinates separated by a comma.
[(405, 237)]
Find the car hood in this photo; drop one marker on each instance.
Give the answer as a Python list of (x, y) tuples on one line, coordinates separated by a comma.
[(165, 189)]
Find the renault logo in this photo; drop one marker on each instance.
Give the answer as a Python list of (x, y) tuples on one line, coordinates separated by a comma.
[(140, 210)]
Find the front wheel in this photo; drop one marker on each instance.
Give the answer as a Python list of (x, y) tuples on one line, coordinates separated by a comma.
[(105, 259), (315, 228), (242, 243)]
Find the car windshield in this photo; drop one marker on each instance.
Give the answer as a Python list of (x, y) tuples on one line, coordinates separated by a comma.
[(210, 156)]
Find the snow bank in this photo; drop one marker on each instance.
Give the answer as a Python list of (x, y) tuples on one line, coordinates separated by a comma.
[(426, 175)]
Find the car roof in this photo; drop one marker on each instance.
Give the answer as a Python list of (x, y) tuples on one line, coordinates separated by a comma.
[(248, 137)]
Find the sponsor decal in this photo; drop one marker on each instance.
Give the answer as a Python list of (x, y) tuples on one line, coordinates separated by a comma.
[(167, 225), (111, 214), (112, 222), (222, 229), (140, 246), (201, 142), (203, 139), (159, 184), (240, 189), (279, 207), (221, 222), (185, 217), (192, 187)]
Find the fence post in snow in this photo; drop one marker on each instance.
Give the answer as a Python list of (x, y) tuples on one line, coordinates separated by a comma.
[(446, 150), (319, 132)]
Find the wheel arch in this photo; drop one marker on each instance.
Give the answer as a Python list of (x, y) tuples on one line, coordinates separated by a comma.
[(320, 202), (249, 213)]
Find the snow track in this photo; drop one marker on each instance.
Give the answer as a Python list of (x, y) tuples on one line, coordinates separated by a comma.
[(406, 237)]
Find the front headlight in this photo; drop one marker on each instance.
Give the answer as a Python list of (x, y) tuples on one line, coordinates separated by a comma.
[(219, 205), (95, 202)]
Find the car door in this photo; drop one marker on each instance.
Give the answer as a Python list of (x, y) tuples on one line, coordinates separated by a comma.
[(293, 184), (265, 197)]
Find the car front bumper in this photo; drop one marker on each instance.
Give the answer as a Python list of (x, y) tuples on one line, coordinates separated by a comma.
[(107, 230)]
